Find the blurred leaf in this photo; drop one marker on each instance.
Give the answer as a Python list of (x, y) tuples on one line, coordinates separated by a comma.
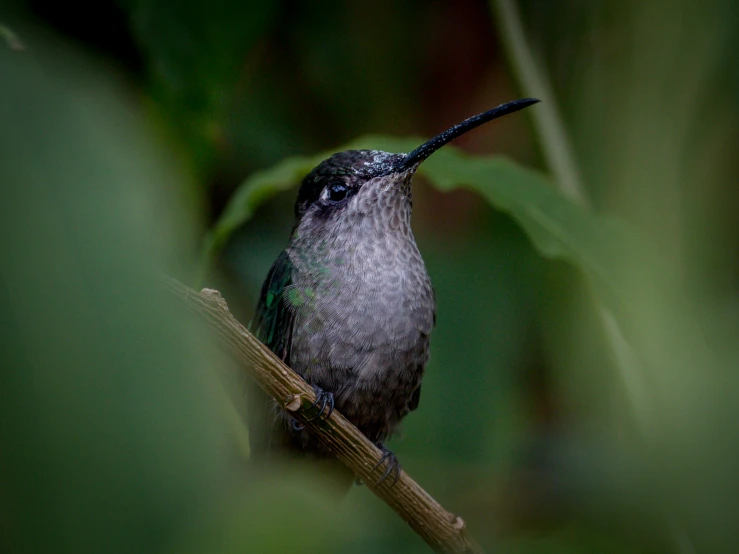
[(284, 510), (112, 439)]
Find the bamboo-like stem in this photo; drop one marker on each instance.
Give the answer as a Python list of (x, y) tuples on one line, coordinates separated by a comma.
[(561, 161), (442, 530), (560, 158), (554, 141)]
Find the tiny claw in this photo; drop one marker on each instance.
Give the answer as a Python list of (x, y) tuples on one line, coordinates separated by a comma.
[(331, 405), (393, 466), (385, 455), (323, 407), (387, 472), (397, 469), (327, 398)]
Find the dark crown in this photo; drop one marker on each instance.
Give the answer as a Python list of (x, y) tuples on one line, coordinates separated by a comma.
[(352, 167)]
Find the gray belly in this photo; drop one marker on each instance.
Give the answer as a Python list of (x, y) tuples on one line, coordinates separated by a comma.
[(369, 346)]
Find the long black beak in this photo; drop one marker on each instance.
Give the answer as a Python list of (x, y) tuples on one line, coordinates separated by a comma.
[(431, 146)]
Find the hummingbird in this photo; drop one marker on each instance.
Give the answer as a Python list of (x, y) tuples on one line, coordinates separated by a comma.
[(348, 304)]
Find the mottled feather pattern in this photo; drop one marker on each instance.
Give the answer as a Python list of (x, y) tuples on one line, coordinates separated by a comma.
[(358, 303)]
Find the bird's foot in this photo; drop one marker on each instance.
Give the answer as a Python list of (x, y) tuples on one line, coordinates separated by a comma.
[(393, 465), (324, 399)]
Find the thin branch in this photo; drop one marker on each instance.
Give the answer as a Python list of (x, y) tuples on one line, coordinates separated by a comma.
[(442, 530)]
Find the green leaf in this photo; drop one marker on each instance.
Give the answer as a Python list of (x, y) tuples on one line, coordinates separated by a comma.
[(605, 248), (112, 435), (257, 189)]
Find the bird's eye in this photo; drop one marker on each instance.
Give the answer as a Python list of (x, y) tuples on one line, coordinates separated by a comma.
[(336, 192)]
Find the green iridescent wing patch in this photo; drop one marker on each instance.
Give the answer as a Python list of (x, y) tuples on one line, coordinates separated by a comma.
[(273, 320)]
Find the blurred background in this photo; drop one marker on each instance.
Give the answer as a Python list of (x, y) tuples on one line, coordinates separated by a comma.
[(550, 421)]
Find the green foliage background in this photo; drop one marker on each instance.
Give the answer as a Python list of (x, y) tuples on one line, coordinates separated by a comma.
[(581, 391)]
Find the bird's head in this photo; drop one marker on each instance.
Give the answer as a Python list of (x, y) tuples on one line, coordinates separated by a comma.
[(364, 182)]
